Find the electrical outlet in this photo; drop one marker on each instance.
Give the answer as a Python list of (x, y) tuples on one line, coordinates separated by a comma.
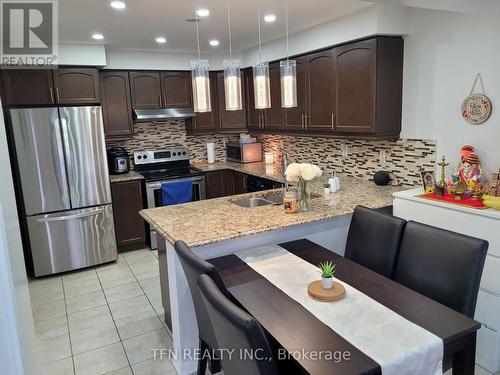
[(343, 149), (381, 156)]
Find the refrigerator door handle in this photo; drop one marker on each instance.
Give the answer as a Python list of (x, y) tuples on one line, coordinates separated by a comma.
[(69, 162), (70, 217), (60, 166)]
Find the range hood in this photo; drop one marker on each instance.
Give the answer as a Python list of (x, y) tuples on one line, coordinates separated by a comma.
[(158, 114)]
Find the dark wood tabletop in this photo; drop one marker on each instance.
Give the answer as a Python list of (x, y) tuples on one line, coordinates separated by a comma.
[(295, 329)]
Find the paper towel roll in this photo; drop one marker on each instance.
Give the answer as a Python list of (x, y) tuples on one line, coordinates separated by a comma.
[(211, 152)]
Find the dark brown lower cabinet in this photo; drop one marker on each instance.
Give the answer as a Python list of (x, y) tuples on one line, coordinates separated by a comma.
[(214, 184), (225, 182), (130, 227), (239, 183)]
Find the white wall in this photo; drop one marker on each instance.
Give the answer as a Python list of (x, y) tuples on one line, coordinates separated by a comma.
[(17, 338), (443, 53), (126, 59), (82, 54), (339, 30)]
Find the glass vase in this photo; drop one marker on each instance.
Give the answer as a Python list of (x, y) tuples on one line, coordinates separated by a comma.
[(304, 198)]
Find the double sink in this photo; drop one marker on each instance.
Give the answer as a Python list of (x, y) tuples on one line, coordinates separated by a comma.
[(271, 199)]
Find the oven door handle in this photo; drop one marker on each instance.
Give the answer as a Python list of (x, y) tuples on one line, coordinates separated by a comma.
[(158, 185)]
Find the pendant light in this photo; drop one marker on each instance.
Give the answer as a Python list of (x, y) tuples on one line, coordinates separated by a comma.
[(261, 86), (200, 78), (288, 74), (232, 76)]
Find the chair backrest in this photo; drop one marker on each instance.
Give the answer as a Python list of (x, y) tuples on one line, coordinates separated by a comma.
[(193, 267), (374, 239), (236, 329), (442, 265)]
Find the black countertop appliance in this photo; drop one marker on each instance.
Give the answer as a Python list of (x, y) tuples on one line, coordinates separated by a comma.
[(118, 160)]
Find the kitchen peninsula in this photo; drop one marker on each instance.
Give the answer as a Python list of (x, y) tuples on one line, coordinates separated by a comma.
[(217, 227)]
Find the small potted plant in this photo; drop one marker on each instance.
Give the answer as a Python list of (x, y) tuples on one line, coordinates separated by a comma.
[(327, 269), (326, 188)]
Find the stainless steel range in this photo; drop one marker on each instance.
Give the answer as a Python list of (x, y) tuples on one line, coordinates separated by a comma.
[(159, 166)]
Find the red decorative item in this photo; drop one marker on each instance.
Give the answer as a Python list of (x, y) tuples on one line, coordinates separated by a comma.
[(448, 198)]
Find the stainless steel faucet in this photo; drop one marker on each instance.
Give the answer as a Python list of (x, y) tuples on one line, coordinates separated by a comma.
[(284, 165)]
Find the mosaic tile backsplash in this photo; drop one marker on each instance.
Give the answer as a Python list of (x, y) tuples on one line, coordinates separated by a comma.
[(405, 158), (157, 135)]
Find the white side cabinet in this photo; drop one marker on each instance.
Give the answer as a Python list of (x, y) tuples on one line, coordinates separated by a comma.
[(484, 224)]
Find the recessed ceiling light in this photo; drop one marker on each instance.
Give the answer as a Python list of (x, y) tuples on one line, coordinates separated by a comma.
[(202, 12), (118, 5), (161, 40), (214, 42), (97, 36), (269, 18)]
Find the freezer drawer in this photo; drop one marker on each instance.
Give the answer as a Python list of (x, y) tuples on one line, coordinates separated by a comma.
[(72, 239)]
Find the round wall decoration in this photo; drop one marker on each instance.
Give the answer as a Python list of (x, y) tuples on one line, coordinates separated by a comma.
[(476, 108)]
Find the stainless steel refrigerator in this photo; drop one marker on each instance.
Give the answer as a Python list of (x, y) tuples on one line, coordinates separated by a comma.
[(63, 169)]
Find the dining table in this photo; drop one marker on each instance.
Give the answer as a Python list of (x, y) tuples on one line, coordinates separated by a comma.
[(295, 329)]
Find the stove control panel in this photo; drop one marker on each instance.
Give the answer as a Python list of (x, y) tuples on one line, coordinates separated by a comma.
[(161, 156)]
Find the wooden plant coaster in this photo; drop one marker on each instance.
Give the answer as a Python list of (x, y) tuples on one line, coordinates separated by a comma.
[(317, 292)]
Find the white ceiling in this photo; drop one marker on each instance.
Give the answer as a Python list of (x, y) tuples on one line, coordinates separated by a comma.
[(136, 27)]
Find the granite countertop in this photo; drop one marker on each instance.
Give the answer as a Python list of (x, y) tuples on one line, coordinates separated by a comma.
[(130, 176), (259, 169), (214, 220)]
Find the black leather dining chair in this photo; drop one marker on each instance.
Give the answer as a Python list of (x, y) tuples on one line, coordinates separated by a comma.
[(237, 331), (193, 267), (374, 239), (442, 265)]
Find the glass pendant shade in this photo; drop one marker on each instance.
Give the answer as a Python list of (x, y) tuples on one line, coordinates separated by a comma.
[(261, 86), (232, 84), (201, 85), (288, 83)]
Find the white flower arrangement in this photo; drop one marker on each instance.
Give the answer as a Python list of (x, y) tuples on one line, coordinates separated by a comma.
[(304, 171)]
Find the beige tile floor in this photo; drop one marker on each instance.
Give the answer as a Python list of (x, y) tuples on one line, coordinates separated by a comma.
[(103, 320)]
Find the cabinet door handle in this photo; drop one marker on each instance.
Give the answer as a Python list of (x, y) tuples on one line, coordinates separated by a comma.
[(164, 100), (159, 100), (51, 94), (57, 94), (333, 120), (302, 121)]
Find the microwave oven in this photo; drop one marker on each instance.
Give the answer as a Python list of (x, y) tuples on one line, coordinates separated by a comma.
[(244, 152)]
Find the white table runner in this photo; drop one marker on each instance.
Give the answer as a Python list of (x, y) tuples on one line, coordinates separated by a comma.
[(399, 346)]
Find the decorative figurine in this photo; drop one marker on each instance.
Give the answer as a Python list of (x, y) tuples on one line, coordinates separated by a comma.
[(493, 188), (468, 171), (428, 181), (441, 185)]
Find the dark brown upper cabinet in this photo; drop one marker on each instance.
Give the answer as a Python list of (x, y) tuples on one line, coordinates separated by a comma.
[(176, 89), (255, 117), (76, 86), (116, 105), (206, 122), (296, 116), (145, 89), (28, 86), (319, 92), (368, 81), (230, 121), (274, 117), (45, 86)]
